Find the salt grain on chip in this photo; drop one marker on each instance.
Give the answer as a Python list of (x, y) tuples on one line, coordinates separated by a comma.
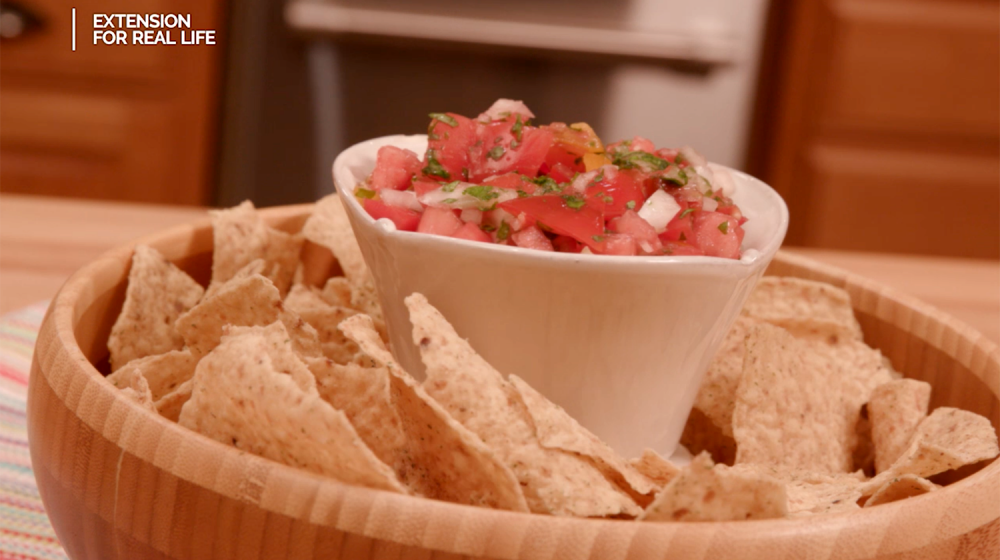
[(476, 395), (158, 292), (241, 399), (895, 410), (240, 236), (443, 459)]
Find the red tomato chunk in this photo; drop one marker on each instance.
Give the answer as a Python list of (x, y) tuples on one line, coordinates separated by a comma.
[(498, 178)]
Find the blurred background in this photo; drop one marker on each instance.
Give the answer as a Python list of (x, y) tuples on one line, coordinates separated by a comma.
[(877, 120)]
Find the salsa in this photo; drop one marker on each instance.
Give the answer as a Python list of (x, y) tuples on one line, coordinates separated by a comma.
[(500, 179)]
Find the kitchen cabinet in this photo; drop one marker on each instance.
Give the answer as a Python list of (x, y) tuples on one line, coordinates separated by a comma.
[(126, 122), (879, 122)]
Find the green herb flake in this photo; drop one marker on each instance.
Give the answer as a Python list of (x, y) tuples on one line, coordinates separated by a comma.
[(495, 153), (522, 194), (516, 129), (573, 201), (449, 201), (482, 192), (686, 212), (597, 238), (504, 232), (446, 119), (724, 227), (630, 205), (364, 193), (488, 228), (434, 167), (449, 187), (642, 160), (546, 184)]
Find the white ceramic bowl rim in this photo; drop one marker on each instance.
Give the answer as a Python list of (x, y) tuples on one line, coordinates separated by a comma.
[(344, 172)]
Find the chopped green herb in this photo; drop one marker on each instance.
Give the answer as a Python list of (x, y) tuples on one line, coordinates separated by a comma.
[(516, 129), (488, 228), (724, 227), (465, 173), (446, 119), (608, 199), (546, 184), (597, 238), (482, 192), (630, 205), (514, 144), (573, 201), (522, 194), (674, 175), (364, 193), (434, 167), (449, 201), (504, 232), (686, 212), (449, 187), (598, 178), (642, 160), (495, 153)]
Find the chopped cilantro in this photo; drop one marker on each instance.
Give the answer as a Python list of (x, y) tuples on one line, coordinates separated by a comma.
[(465, 173), (482, 192), (516, 129), (446, 119), (495, 153), (674, 175), (573, 201), (597, 238), (434, 167), (504, 232), (449, 187), (608, 199), (630, 205), (546, 184), (598, 178), (488, 228), (449, 201), (724, 227), (364, 193), (514, 144), (686, 212), (642, 160), (522, 194)]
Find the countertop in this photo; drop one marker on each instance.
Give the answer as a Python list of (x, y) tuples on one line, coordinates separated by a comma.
[(44, 240)]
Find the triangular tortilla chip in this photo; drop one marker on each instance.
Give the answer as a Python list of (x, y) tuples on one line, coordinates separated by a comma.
[(330, 227), (901, 488), (163, 373), (253, 268), (279, 347), (704, 491), (654, 467), (448, 461), (717, 394), (556, 429), (803, 307), (169, 406), (158, 292), (241, 399), (134, 385), (307, 303), (476, 395), (895, 410), (241, 236), (337, 291)]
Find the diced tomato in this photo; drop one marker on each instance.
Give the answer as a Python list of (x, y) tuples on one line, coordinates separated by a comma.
[(532, 238), (450, 145), (422, 186), (499, 149), (394, 167), (561, 173), (570, 144), (681, 228), (439, 221), (472, 232), (404, 218), (616, 244), (566, 244), (668, 154), (640, 230), (613, 196), (640, 144), (512, 181), (582, 224), (681, 249), (718, 235)]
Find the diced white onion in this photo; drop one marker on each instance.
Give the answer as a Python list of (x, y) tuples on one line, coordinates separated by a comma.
[(401, 199), (456, 198), (724, 182), (706, 172), (583, 180), (472, 215), (709, 204), (693, 157), (659, 209), (503, 108)]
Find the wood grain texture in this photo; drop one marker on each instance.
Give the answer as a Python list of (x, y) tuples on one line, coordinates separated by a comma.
[(120, 482)]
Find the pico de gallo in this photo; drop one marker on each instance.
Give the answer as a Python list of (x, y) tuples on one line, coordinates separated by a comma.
[(500, 179)]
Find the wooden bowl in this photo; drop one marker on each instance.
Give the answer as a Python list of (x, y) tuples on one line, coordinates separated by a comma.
[(120, 482)]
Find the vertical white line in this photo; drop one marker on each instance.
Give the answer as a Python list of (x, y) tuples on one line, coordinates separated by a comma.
[(74, 29)]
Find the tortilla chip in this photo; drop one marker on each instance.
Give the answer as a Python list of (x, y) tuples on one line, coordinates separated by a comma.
[(323, 317), (654, 467), (901, 488), (443, 459), (804, 308), (169, 405), (241, 236), (253, 268), (717, 395), (479, 398), (337, 291), (241, 399), (303, 298), (701, 434), (704, 491), (250, 301), (163, 373), (134, 385), (330, 227), (279, 347), (158, 292), (947, 439), (815, 493), (896, 409), (556, 429)]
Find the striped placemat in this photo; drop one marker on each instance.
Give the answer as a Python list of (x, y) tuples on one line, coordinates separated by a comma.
[(25, 532)]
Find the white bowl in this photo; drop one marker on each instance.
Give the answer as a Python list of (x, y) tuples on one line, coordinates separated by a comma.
[(620, 342)]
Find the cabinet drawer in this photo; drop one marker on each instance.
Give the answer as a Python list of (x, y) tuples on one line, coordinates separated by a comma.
[(899, 201), (92, 146), (917, 67)]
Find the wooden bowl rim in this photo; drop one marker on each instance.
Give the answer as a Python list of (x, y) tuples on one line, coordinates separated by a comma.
[(202, 453)]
